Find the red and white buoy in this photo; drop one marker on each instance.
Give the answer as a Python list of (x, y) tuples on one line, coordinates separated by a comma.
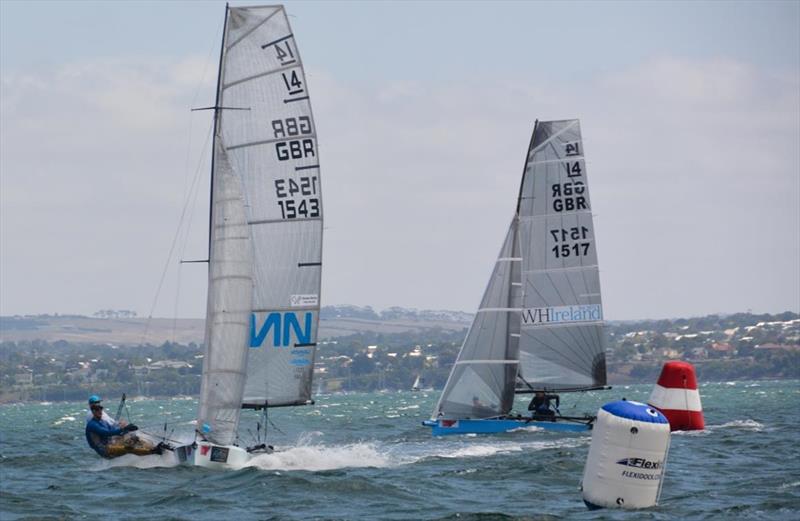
[(676, 396)]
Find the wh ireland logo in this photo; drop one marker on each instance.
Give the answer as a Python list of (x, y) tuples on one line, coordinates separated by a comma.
[(562, 315)]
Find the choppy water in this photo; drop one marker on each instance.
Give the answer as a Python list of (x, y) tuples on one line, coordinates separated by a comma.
[(365, 456)]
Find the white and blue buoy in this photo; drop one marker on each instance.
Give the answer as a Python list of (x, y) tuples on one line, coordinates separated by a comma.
[(625, 466)]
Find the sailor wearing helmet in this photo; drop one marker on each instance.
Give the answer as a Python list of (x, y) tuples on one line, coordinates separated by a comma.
[(110, 422)]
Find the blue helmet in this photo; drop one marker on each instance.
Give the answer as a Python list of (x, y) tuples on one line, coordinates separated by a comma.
[(94, 399)]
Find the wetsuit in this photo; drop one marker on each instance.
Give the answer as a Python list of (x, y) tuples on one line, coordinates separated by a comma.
[(540, 405), (98, 435), (108, 420)]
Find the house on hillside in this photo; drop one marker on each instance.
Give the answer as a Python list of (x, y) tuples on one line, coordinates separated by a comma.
[(722, 349), (24, 378)]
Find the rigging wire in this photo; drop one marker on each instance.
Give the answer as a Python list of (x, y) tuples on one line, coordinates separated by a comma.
[(187, 169), (271, 423), (175, 239), (190, 194)]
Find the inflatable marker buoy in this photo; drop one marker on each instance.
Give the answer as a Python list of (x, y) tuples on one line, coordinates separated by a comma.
[(677, 397), (625, 466)]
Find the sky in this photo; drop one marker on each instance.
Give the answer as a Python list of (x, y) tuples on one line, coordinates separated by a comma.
[(690, 113)]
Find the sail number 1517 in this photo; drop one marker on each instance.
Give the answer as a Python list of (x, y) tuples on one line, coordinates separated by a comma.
[(576, 233)]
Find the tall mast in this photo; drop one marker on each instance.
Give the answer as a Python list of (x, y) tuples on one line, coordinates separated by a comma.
[(525, 168), (214, 137)]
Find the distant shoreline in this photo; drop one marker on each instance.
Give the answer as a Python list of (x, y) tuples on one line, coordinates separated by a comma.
[(81, 392)]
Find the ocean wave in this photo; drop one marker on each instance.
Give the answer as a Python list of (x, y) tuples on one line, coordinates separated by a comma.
[(749, 425), (529, 428), (480, 451), (486, 450), (704, 432)]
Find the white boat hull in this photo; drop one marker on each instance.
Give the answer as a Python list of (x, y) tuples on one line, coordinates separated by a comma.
[(220, 456)]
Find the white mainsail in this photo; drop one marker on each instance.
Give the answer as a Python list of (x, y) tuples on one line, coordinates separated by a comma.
[(562, 345), (539, 325), (266, 227)]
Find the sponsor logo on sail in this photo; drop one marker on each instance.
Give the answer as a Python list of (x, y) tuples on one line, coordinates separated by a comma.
[(297, 301), (281, 327), (562, 315)]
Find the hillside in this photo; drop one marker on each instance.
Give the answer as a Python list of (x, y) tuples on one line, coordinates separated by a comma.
[(335, 322)]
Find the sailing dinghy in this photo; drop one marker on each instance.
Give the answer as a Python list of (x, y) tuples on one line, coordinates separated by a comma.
[(265, 235), (539, 327), (419, 385)]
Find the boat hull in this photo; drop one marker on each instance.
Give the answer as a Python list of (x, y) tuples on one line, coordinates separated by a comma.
[(495, 426), (220, 456)]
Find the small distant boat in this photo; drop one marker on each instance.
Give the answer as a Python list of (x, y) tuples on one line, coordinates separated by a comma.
[(539, 328), (265, 236), (419, 385)]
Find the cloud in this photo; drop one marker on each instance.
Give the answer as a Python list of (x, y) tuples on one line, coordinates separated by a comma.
[(693, 168), (93, 178)]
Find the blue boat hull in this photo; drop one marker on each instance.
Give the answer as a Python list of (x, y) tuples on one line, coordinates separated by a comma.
[(494, 426)]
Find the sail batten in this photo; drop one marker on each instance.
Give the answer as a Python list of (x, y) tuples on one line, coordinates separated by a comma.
[(264, 142), (287, 67)]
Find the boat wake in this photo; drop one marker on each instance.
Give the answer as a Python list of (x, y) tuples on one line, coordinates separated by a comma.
[(485, 450), (321, 457), (313, 456)]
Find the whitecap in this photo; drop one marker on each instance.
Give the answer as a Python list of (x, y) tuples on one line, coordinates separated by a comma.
[(529, 428), (693, 433), (749, 425), (321, 457), (480, 451)]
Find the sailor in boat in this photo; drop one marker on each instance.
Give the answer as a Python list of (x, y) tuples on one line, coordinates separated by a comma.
[(107, 419), (113, 441), (542, 405)]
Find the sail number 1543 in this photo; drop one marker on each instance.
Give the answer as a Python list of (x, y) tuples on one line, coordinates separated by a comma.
[(292, 207)]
